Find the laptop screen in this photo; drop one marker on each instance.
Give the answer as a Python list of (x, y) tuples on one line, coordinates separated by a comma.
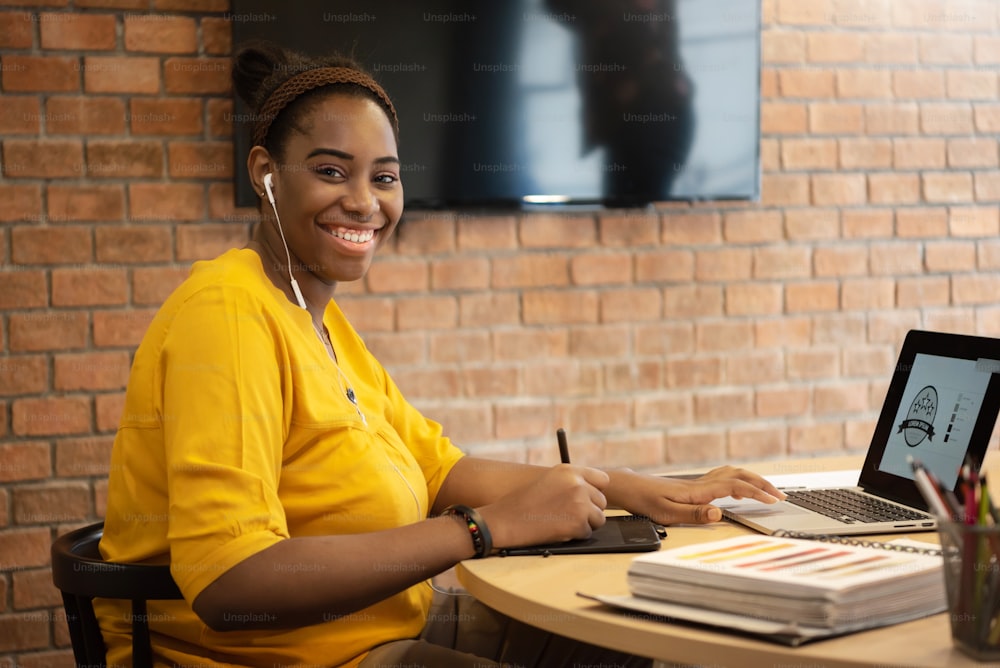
[(941, 406), (936, 419)]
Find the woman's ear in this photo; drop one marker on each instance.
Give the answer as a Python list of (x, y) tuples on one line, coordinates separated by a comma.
[(259, 163)]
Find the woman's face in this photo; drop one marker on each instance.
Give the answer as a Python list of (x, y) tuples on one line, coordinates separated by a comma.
[(338, 189)]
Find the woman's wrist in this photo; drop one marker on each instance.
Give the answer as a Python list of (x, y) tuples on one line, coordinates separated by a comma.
[(479, 533)]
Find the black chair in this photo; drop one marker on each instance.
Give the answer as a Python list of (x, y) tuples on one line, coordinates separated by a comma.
[(80, 573)]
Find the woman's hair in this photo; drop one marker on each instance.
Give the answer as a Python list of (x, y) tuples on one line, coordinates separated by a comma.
[(282, 86)]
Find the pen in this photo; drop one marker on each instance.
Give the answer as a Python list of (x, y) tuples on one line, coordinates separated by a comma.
[(563, 445)]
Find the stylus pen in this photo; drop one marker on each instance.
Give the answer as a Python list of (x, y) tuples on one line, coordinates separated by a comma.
[(563, 445)]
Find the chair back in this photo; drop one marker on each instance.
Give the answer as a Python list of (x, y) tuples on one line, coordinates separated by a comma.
[(81, 574)]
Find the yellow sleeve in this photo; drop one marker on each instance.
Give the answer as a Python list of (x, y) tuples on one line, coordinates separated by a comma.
[(224, 425)]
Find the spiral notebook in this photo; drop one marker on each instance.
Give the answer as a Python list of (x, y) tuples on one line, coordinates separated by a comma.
[(941, 406)]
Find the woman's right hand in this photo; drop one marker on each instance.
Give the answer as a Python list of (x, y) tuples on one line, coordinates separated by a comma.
[(565, 502)]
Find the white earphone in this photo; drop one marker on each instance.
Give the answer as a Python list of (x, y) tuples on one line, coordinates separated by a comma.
[(295, 284)]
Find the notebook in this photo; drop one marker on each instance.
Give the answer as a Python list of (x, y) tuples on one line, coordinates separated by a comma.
[(940, 408), (621, 533)]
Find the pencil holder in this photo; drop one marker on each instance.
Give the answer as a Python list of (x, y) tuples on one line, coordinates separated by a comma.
[(972, 582)]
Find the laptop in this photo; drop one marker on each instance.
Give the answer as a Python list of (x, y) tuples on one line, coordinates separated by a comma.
[(940, 409)]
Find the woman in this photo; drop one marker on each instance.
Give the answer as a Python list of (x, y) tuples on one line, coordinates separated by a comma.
[(303, 503)]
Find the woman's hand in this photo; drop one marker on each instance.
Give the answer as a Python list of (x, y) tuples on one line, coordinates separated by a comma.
[(680, 501), (562, 503)]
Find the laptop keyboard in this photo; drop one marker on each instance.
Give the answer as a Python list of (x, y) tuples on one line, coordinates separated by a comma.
[(851, 507)]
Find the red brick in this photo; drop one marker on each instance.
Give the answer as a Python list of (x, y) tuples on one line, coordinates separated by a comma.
[(974, 289), (51, 503), (770, 154), (789, 331), (118, 329), (842, 260), (841, 189), (196, 75), (216, 36), (670, 410), (89, 287), (160, 33), (784, 190), (461, 273), (891, 48), (50, 245), (601, 269), (944, 118), (685, 301), (974, 221), (86, 456), (460, 348), (754, 299), (919, 153), (85, 116), (45, 159), (783, 47), (90, 203), (91, 371), (723, 406), (753, 226), (791, 12), (972, 85), (723, 336), (50, 330), (868, 294), (113, 4), (812, 296), (972, 152), (641, 228), (33, 589), (724, 264), (202, 242), (756, 443), (780, 262), (477, 310), (557, 231), (51, 417), (987, 117), (922, 292), (918, 84), (835, 47), (220, 117), (21, 549), (23, 289), (22, 203), (487, 232), (634, 304), (152, 285), (987, 186), (944, 49), (165, 116), (922, 222), (16, 30), (950, 187), (108, 409), (166, 201), (808, 153), (192, 5), (806, 83), (146, 243), (40, 73), (552, 307), (24, 460), (893, 188), (946, 256), (116, 159), (898, 118), (867, 223), (201, 160), (664, 266), (896, 258), (835, 118), (78, 32), (430, 312), (865, 153), (121, 74), (864, 83), (769, 89), (811, 363), (23, 374), (20, 114), (529, 270), (694, 228), (783, 118)]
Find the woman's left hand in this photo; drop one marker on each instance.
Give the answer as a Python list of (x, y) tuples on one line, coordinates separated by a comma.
[(686, 501)]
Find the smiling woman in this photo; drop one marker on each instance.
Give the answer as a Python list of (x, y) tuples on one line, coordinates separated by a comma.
[(308, 533)]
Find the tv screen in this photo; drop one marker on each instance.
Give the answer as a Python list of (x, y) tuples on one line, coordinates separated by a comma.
[(546, 102)]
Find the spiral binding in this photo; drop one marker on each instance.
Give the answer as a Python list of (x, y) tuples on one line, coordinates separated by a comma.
[(840, 540)]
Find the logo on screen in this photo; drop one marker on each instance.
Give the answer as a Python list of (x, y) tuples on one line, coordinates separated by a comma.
[(919, 422)]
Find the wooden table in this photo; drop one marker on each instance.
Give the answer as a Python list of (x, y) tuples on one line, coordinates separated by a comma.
[(542, 591)]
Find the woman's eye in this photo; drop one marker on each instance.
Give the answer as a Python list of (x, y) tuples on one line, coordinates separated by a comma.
[(386, 179), (328, 171)]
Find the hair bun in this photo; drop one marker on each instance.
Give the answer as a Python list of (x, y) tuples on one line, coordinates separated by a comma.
[(253, 65)]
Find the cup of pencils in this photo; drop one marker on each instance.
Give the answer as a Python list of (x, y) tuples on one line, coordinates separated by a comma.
[(971, 555)]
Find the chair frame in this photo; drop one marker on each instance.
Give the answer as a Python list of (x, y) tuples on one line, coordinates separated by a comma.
[(81, 574)]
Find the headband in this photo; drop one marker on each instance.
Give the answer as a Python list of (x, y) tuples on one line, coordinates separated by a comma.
[(308, 80)]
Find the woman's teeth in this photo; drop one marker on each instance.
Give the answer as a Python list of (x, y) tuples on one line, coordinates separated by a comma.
[(356, 236)]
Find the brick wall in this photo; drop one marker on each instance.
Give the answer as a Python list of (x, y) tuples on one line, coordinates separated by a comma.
[(685, 336)]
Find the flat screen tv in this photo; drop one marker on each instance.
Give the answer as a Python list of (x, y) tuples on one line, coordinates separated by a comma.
[(514, 103)]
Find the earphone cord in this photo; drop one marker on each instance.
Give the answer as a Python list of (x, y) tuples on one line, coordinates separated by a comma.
[(288, 255)]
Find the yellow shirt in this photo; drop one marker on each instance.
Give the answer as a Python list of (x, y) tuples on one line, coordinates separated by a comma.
[(237, 433)]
